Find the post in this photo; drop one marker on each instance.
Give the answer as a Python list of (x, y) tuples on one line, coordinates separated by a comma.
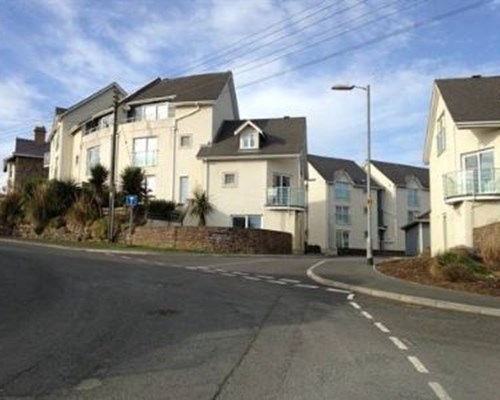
[(130, 224), (112, 192), (369, 252)]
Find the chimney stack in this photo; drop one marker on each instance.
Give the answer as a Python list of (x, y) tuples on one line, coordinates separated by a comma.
[(40, 135)]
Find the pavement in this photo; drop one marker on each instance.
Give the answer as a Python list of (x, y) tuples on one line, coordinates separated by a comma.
[(353, 274)]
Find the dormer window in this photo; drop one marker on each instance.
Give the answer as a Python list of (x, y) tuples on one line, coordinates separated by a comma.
[(248, 141), (250, 135)]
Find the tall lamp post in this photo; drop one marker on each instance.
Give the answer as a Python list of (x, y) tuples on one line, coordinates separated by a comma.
[(369, 252)]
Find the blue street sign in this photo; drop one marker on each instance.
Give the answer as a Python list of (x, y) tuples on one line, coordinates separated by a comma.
[(131, 200)]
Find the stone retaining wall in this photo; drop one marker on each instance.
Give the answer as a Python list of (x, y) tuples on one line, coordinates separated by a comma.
[(217, 240)]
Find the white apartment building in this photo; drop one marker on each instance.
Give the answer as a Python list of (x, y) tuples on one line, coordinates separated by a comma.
[(462, 149), (174, 129), (337, 219), (405, 196)]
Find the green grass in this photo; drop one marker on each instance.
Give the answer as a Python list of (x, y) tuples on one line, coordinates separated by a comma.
[(459, 267)]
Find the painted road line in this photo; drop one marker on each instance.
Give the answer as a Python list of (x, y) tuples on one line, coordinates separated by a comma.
[(126, 257), (141, 260), (193, 268), (398, 343), (276, 282), (251, 278), (418, 365), (382, 327), (219, 270), (355, 305), (439, 391), (159, 263), (301, 285), (366, 315), (337, 290), (350, 297), (228, 274), (290, 280), (265, 276), (241, 273)]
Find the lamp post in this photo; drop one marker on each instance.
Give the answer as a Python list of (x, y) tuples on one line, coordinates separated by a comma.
[(369, 252)]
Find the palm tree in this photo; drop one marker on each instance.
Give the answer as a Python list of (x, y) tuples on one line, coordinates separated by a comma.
[(99, 175), (133, 182), (199, 206)]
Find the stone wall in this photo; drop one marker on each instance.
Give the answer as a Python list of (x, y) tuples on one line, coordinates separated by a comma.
[(28, 168), (479, 234), (216, 240)]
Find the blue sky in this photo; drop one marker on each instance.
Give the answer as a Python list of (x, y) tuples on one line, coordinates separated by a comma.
[(53, 53)]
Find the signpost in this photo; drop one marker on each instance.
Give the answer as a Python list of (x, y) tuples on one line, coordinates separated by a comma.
[(131, 202)]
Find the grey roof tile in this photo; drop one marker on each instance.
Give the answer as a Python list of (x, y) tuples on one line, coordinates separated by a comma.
[(472, 99), (328, 166), (398, 173), (29, 147)]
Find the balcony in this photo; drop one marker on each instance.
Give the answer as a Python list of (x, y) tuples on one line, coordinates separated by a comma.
[(470, 184), (281, 197)]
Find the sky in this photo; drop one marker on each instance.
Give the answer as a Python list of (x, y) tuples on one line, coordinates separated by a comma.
[(284, 54)]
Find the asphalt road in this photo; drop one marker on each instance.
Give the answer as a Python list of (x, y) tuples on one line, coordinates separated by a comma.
[(77, 325)]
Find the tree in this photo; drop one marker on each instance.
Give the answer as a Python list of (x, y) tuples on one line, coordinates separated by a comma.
[(200, 207), (133, 182), (99, 176)]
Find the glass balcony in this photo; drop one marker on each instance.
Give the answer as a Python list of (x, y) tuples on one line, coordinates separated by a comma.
[(472, 183), (285, 197)]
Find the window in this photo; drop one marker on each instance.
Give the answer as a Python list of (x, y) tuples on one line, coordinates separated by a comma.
[(247, 221), (229, 179), (342, 216), (480, 171), (145, 152), (77, 159), (412, 216), (106, 121), (441, 135), (342, 191), (183, 189), (413, 200), (248, 141), (150, 185), (92, 158), (185, 141), (150, 112), (342, 239)]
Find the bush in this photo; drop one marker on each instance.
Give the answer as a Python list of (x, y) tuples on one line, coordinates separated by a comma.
[(99, 229), (11, 209), (489, 250), (40, 206), (456, 266), (161, 209), (455, 272), (82, 211)]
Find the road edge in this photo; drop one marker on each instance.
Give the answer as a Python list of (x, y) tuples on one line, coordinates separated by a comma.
[(421, 301)]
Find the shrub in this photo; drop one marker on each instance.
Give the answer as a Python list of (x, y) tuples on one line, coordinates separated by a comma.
[(455, 272), (457, 267), (11, 209), (40, 207), (161, 209), (489, 250), (99, 229), (82, 212), (199, 206), (62, 195), (133, 182)]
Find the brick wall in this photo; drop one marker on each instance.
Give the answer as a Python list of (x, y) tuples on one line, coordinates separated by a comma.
[(217, 240), (482, 232)]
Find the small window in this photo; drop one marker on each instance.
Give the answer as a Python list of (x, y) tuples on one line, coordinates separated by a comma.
[(413, 200), (92, 158), (183, 189), (247, 221), (77, 159), (342, 216), (441, 134), (150, 181), (412, 216), (248, 141), (185, 141), (229, 179), (342, 191)]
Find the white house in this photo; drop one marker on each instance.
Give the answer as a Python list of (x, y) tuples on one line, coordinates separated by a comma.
[(337, 219), (405, 196), (185, 133), (462, 149)]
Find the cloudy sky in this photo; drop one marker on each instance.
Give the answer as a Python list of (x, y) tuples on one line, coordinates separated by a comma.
[(285, 55)]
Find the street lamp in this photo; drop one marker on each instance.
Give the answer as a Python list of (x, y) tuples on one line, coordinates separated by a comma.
[(369, 252)]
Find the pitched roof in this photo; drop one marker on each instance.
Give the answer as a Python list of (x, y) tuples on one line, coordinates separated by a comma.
[(398, 173), (280, 136), (187, 88), (30, 147), (327, 166), (472, 99)]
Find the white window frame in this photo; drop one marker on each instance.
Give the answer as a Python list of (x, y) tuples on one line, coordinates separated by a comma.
[(183, 195), (346, 186), (150, 156), (342, 215), (233, 184), (247, 220), (344, 234), (92, 162), (413, 200), (441, 134), (249, 140)]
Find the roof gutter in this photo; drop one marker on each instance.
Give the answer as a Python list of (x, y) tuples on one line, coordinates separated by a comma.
[(477, 124)]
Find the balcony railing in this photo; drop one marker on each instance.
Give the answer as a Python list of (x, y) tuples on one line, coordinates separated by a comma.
[(285, 197), (483, 183)]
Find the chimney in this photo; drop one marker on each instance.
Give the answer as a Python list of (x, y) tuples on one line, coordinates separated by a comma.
[(40, 135)]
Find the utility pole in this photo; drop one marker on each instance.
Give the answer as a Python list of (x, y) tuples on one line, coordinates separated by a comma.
[(112, 191)]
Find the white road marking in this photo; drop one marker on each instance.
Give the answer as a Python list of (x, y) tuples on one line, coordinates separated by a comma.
[(418, 365), (382, 327), (337, 290), (219, 270), (251, 278), (208, 271), (141, 260), (265, 276), (290, 280), (200, 267), (276, 282), (355, 305), (350, 297), (159, 263), (241, 273), (126, 257), (193, 268), (398, 343), (439, 391), (366, 315), (228, 274), (301, 285)]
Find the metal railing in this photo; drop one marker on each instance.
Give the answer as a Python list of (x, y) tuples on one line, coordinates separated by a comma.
[(472, 182), (285, 197)]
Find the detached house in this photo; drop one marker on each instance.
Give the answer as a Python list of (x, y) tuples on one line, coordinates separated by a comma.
[(28, 160), (185, 133), (337, 219), (404, 198), (462, 149)]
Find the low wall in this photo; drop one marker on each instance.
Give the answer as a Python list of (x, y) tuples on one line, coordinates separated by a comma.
[(478, 234), (216, 240)]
